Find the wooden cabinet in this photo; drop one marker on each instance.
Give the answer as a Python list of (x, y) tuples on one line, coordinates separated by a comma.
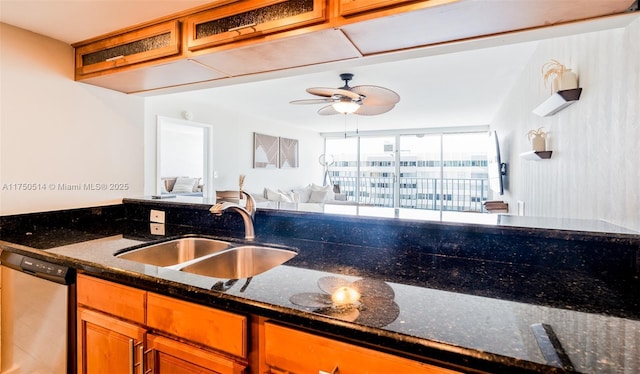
[(170, 356), (231, 38), (108, 345), (349, 7), (291, 351), (250, 19), (225, 331), (126, 330), (112, 298), (175, 336), (141, 45)]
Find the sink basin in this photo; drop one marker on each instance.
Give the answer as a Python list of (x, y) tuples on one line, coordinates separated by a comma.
[(240, 262), (210, 257), (175, 252)]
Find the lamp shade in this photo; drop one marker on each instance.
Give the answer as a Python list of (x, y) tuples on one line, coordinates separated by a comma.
[(345, 106)]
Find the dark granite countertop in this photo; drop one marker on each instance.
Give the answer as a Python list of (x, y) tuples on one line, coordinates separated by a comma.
[(545, 225), (464, 311)]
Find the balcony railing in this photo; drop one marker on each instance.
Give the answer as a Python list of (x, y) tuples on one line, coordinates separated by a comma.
[(454, 194)]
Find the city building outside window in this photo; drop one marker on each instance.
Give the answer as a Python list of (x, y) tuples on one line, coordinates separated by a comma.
[(424, 171)]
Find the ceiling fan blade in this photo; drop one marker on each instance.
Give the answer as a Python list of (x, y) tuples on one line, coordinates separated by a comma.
[(312, 101), (372, 110), (376, 95), (327, 111), (328, 92)]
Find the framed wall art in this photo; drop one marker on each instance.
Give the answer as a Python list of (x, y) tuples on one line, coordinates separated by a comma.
[(265, 151), (288, 153)]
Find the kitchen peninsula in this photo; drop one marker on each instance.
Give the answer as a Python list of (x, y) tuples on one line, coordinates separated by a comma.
[(466, 290)]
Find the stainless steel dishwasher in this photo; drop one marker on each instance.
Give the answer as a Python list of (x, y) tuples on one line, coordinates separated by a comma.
[(38, 316)]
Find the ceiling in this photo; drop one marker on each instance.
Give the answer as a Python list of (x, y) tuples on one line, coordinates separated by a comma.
[(456, 84)]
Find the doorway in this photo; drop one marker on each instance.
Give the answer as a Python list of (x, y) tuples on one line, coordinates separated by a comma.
[(184, 151)]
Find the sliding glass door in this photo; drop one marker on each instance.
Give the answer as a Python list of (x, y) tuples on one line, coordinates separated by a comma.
[(420, 172), (377, 174), (464, 172), (424, 171)]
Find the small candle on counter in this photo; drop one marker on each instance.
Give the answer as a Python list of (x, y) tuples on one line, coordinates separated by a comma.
[(345, 296)]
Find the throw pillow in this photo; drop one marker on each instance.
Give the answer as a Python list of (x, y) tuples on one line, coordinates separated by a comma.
[(328, 189), (184, 185), (302, 195), (318, 196), (287, 196), (277, 196)]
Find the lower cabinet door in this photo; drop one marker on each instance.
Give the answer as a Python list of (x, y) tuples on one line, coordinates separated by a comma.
[(292, 351), (108, 345), (165, 355)]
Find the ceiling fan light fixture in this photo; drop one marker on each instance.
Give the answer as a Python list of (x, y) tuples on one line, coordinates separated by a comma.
[(345, 106), (364, 100)]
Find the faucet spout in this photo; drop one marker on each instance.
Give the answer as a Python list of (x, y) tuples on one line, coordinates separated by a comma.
[(247, 213)]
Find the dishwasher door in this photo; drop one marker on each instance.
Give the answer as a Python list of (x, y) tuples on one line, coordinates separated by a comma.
[(38, 323)]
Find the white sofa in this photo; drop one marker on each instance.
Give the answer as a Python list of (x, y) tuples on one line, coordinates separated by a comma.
[(311, 194)]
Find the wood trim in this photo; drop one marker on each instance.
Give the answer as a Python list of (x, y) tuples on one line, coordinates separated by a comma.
[(112, 298), (344, 15), (349, 7)]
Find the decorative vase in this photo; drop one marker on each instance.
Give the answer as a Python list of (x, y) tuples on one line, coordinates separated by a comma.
[(538, 143), (538, 139), (566, 80)]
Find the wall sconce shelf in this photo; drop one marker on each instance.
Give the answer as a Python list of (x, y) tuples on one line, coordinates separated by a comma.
[(557, 102), (536, 155)]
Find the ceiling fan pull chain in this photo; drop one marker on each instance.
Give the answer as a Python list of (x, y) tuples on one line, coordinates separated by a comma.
[(345, 125)]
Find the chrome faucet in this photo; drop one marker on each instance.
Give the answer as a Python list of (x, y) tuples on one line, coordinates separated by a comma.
[(248, 213)]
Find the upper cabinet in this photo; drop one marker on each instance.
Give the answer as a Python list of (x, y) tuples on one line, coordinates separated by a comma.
[(250, 19), (146, 44), (349, 7), (232, 38)]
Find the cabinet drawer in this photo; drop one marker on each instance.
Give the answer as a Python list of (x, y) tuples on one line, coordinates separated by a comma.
[(214, 328), (294, 351), (169, 356), (141, 45), (112, 298), (250, 19)]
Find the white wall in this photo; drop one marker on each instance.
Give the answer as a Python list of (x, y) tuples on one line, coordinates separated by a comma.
[(594, 172), (54, 131), (233, 146)]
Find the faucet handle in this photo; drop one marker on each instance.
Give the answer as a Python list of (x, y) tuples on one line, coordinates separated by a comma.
[(218, 208)]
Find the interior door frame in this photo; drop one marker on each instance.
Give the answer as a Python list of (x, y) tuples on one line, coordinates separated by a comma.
[(207, 175)]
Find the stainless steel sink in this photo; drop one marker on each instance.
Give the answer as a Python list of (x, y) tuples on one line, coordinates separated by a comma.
[(175, 251), (240, 262), (210, 257)]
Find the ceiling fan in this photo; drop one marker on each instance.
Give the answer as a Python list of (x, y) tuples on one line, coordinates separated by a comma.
[(361, 100)]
